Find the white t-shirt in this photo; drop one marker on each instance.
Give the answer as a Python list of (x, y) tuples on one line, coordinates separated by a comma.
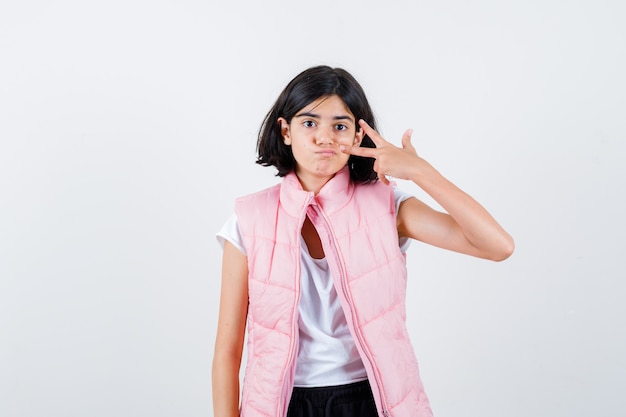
[(327, 354)]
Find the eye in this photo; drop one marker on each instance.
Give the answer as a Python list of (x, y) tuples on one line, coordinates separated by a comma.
[(308, 123), (341, 127)]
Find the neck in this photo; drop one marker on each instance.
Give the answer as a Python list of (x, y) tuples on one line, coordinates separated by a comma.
[(312, 183)]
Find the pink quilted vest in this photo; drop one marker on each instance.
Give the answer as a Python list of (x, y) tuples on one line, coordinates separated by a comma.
[(357, 227)]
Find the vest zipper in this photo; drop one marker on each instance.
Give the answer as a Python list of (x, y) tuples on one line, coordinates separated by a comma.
[(347, 295), (293, 343)]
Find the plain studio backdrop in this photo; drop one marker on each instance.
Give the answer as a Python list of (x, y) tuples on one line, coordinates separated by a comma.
[(127, 129)]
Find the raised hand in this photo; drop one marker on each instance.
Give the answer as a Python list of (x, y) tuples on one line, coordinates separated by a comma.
[(390, 160)]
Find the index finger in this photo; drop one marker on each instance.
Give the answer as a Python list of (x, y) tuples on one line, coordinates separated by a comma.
[(358, 151), (374, 136)]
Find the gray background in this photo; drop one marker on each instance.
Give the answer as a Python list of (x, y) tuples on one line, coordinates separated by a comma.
[(127, 128)]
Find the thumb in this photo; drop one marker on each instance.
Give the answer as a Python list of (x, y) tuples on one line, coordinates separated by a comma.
[(406, 140)]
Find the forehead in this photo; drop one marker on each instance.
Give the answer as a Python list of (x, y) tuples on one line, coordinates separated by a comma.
[(327, 106)]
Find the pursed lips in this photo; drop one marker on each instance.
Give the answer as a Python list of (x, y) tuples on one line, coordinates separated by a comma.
[(326, 152)]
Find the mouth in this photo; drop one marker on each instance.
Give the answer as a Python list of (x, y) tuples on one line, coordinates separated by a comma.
[(326, 152)]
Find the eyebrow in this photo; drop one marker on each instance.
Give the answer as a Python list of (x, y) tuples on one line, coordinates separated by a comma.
[(317, 116)]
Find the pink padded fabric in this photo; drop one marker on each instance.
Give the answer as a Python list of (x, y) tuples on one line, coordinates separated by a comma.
[(357, 227)]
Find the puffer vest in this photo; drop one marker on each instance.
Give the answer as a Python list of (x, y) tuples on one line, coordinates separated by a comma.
[(357, 227)]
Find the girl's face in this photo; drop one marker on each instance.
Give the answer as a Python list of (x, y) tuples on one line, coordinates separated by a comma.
[(315, 134)]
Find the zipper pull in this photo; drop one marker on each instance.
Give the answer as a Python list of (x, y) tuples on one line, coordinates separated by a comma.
[(385, 413)]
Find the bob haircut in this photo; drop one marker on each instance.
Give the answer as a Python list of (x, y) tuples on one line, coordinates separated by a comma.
[(308, 86)]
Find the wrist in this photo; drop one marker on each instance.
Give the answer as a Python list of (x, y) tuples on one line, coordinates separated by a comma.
[(422, 172)]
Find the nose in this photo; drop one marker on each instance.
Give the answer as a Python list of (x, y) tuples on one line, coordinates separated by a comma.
[(325, 136)]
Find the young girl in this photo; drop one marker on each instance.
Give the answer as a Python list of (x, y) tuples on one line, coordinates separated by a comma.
[(315, 266)]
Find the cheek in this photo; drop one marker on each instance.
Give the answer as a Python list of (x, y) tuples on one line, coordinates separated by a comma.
[(347, 139), (299, 149), (302, 147)]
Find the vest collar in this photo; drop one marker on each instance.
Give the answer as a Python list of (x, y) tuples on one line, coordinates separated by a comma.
[(335, 194)]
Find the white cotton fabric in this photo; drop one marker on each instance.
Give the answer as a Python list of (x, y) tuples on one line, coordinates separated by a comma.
[(327, 354)]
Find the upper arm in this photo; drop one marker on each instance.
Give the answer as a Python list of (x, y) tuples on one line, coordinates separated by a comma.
[(419, 221), (233, 310)]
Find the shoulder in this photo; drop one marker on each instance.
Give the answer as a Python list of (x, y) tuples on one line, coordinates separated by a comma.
[(374, 188), (254, 210), (400, 196), (389, 197), (260, 197), (376, 194)]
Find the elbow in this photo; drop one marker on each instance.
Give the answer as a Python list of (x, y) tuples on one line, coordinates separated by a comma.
[(504, 250)]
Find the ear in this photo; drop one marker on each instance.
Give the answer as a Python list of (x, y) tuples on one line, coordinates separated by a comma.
[(284, 130), (358, 137)]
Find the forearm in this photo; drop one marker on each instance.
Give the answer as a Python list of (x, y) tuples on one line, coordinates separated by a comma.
[(477, 225), (467, 227), (226, 385)]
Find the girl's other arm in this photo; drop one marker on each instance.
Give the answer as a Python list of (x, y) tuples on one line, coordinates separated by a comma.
[(230, 332), (466, 226)]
